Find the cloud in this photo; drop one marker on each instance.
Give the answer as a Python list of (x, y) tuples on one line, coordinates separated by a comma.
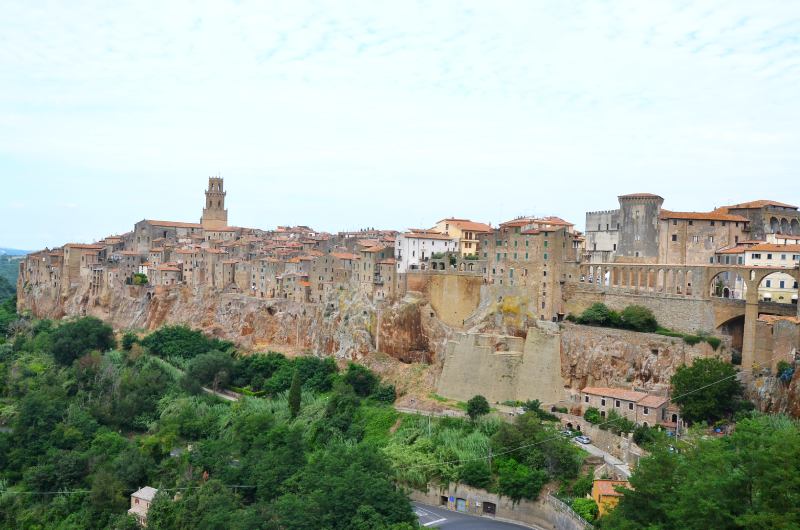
[(399, 110)]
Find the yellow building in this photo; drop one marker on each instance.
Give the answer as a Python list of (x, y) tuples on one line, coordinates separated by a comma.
[(466, 231), (605, 494)]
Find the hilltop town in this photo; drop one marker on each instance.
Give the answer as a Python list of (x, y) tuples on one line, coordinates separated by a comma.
[(458, 290)]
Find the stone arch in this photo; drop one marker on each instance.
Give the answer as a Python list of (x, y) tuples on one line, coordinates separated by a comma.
[(728, 284), (689, 279), (785, 226), (660, 278), (679, 282), (795, 227), (778, 287), (734, 328), (774, 225)]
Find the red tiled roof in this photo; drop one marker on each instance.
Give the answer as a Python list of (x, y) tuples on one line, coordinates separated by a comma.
[(615, 393), (605, 488), (652, 401), (344, 255), (84, 246), (774, 247), (754, 205), (715, 215), (174, 224), (419, 233), (466, 224)]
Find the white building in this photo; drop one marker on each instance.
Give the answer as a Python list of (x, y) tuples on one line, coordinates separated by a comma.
[(414, 249), (777, 287), (140, 503)]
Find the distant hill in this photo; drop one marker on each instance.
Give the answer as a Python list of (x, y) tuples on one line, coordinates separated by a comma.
[(9, 270), (13, 252)]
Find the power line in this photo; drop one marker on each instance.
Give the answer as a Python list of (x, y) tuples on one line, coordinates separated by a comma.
[(70, 492), (524, 446)]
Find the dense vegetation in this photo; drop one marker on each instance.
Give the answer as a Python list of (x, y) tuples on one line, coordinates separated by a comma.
[(635, 318), (708, 391), (86, 425), (308, 446), (747, 480)]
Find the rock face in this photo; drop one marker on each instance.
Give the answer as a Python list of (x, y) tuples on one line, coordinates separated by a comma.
[(344, 325), (592, 356)]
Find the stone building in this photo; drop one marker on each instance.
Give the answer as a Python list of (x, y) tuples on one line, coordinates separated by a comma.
[(602, 236), (638, 227), (465, 231), (414, 249), (693, 238), (639, 407), (768, 217), (140, 503), (215, 215)]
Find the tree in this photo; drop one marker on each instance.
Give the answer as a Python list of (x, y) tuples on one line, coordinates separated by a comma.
[(592, 415), (182, 341), (518, 481), (598, 314), (76, 338), (639, 318), (477, 406), (475, 473), (128, 340), (295, 394), (361, 379), (586, 508), (707, 390), (213, 368)]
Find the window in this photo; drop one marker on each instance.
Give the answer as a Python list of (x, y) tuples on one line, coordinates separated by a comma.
[(695, 239), (769, 283), (710, 239), (586, 399), (674, 237), (616, 403), (598, 227), (545, 255), (755, 255), (691, 223), (674, 222), (712, 223), (646, 411), (724, 223), (630, 406), (783, 257), (769, 256), (782, 284), (545, 243)]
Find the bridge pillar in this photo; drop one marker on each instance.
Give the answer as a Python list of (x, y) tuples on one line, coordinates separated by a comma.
[(750, 323)]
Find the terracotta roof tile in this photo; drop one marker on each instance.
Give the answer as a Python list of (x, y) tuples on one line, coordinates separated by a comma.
[(752, 205), (174, 224), (615, 393), (715, 215)]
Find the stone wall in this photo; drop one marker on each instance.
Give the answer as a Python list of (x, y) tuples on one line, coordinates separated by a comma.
[(545, 513), (453, 296), (675, 312), (504, 368)]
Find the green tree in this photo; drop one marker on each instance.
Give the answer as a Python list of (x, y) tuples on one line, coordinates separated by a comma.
[(477, 406), (212, 369), (361, 379), (639, 318), (295, 395), (598, 314), (76, 338), (586, 508), (181, 341), (128, 340), (707, 390), (592, 415), (475, 473)]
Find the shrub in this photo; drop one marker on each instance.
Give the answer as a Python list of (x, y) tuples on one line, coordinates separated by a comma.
[(74, 339), (592, 415), (599, 314), (385, 394), (128, 340), (617, 423), (475, 473), (477, 406), (181, 341), (586, 508), (139, 279), (361, 379), (638, 318), (212, 368)]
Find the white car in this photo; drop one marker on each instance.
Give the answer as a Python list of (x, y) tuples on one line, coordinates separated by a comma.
[(583, 439)]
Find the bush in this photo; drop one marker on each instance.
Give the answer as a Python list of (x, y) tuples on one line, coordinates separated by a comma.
[(181, 341), (208, 369), (639, 318), (476, 474), (139, 279), (385, 394), (586, 508), (128, 340), (74, 339), (361, 379), (599, 314), (618, 424), (592, 415), (477, 406)]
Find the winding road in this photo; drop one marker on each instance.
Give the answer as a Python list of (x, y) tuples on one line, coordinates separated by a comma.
[(438, 517)]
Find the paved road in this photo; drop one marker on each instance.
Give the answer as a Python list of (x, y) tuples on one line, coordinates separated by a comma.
[(433, 517), (607, 457)]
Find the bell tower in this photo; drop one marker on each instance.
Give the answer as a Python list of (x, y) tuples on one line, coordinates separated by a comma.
[(214, 214)]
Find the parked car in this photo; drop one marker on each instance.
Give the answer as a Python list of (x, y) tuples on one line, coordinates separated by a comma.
[(567, 433), (583, 439)]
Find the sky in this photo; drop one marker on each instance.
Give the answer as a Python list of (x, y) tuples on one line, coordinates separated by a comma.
[(342, 115)]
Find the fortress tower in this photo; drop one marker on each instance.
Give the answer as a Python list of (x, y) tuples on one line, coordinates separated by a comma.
[(638, 233), (214, 214)]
